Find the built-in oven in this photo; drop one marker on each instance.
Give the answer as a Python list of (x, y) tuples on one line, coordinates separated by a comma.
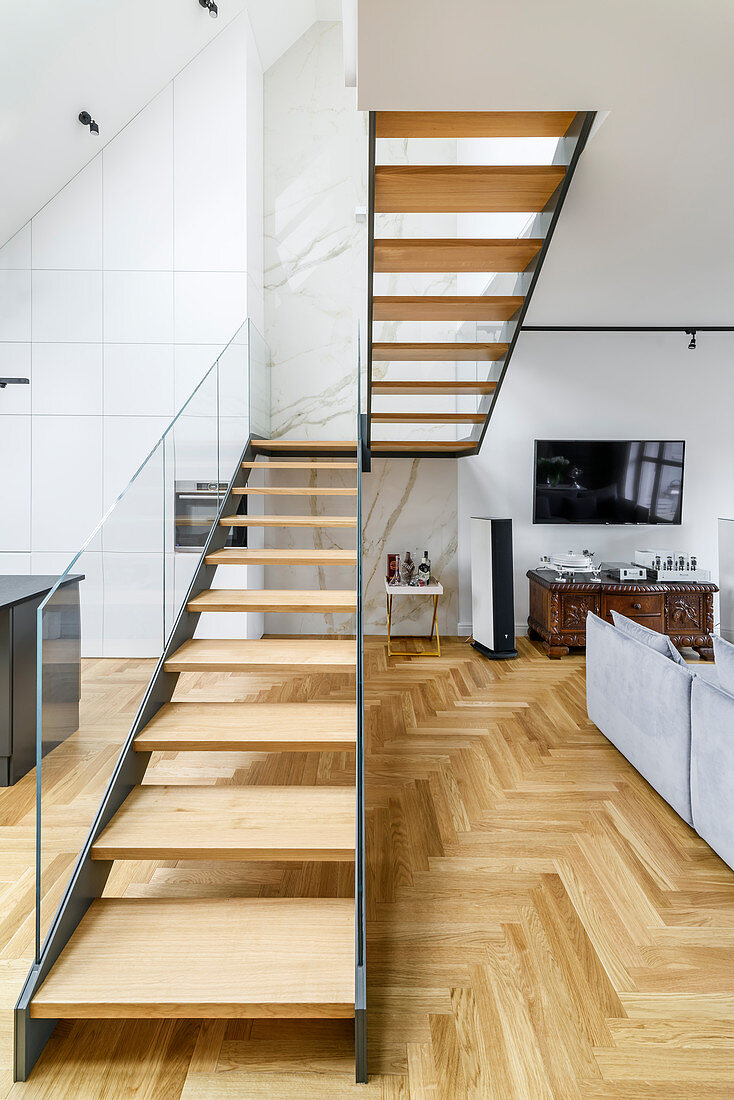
[(197, 503)]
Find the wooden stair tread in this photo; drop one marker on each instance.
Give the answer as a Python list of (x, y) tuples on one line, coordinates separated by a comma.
[(232, 823), (293, 491), (316, 445), (274, 599), (423, 352), (460, 188), (280, 464), (468, 124), (449, 307), (250, 727), (443, 446), (298, 655), (424, 387), (194, 958), (427, 418), (445, 254), (288, 521), (270, 556)]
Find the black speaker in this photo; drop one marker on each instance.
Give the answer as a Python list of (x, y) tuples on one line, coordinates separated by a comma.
[(492, 592)]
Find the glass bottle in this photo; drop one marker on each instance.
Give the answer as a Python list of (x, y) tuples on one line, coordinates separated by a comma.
[(407, 568), (424, 569)]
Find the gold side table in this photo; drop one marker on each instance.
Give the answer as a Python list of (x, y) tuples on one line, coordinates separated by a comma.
[(434, 589)]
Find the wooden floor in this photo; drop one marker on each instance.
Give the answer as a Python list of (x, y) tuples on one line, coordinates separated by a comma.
[(541, 924)]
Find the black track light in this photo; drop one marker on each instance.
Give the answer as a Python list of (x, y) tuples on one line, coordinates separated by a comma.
[(86, 120), (692, 333), (211, 7)]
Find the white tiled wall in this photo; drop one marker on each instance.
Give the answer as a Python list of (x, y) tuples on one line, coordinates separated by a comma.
[(114, 300)]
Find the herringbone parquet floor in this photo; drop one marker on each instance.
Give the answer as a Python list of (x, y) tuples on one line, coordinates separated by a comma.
[(541, 925)]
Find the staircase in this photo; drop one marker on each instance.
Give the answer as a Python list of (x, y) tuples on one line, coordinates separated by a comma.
[(484, 326), (235, 957)]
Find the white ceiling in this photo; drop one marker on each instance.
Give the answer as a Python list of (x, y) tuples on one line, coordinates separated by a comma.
[(109, 57), (646, 235)]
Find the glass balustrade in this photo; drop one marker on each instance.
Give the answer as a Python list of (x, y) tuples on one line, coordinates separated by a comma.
[(122, 593)]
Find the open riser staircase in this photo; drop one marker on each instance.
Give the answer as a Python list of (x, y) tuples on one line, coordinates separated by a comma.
[(436, 396), (233, 957), (198, 955)]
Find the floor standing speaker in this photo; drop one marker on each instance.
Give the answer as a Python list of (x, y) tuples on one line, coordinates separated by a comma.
[(492, 595)]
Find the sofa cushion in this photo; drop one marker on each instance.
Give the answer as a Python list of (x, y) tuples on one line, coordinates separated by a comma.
[(641, 701), (706, 671), (712, 766), (661, 643), (724, 659)]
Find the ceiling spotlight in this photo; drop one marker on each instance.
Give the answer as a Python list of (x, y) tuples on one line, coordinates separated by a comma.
[(692, 333), (86, 120), (211, 7)]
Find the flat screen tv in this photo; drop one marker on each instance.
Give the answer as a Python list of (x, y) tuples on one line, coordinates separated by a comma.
[(608, 481)]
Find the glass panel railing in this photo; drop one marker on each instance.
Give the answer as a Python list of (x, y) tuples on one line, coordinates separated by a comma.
[(259, 381), (360, 1003), (102, 628)]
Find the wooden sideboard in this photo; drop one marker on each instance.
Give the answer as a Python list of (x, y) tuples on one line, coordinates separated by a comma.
[(684, 610)]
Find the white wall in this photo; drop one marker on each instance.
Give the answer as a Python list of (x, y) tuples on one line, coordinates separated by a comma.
[(119, 294), (604, 386), (315, 175)]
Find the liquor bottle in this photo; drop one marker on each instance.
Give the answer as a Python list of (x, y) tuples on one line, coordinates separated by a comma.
[(424, 569), (407, 568)]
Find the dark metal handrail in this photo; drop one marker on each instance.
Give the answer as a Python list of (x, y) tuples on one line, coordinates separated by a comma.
[(360, 912)]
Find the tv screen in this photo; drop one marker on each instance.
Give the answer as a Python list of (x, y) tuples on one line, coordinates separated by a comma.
[(608, 481)]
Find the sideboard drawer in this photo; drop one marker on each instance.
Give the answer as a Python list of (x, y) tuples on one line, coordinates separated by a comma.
[(646, 607)]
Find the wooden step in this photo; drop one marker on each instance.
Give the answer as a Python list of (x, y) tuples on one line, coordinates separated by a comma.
[(448, 447), (423, 352), (280, 464), (232, 823), (250, 727), (445, 254), (427, 418), (195, 958), (464, 188), (445, 307), (236, 556), (288, 521), (472, 124), (421, 387), (292, 491), (298, 655), (317, 446), (317, 601)]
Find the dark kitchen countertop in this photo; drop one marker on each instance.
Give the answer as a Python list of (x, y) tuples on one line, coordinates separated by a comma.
[(16, 589)]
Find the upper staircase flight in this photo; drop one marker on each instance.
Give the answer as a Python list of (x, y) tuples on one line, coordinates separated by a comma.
[(450, 208)]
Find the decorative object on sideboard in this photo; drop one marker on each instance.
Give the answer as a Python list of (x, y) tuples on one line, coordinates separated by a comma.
[(572, 562), (407, 568), (671, 565), (624, 571)]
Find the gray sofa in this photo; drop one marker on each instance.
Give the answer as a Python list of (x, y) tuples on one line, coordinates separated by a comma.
[(674, 725)]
